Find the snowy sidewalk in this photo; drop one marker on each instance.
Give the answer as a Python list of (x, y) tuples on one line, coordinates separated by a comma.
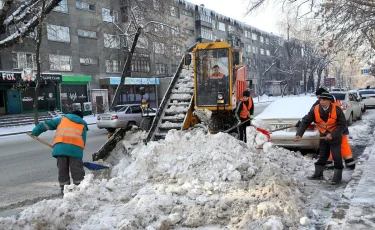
[(357, 207)]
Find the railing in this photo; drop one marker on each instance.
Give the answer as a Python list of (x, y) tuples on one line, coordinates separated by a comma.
[(167, 95)]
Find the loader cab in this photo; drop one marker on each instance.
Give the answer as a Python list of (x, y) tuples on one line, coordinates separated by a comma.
[(213, 76)]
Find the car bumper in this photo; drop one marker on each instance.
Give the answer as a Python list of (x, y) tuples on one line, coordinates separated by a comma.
[(103, 124), (289, 143)]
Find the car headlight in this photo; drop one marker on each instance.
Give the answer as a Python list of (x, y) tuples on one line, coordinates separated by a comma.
[(220, 96)]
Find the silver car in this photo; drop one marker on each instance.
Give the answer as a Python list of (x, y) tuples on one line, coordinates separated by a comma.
[(368, 96), (350, 106), (286, 112), (121, 116)]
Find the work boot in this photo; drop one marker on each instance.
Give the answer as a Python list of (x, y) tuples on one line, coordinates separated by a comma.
[(350, 163), (318, 174), (337, 176)]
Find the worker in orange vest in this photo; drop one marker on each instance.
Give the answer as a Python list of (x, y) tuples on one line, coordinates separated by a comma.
[(346, 151), (330, 121), (68, 145), (244, 113)]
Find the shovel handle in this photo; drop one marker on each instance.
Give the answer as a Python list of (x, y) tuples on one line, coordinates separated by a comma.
[(40, 140), (287, 127), (306, 138)]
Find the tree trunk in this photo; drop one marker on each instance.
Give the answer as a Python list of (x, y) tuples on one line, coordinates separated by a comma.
[(319, 72), (126, 68), (38, 37)]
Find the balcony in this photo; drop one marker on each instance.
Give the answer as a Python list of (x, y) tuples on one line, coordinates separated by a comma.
[(203, 20)]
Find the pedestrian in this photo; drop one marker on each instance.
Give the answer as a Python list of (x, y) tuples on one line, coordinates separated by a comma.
[(330, 121), (68, 145), (244, 113)]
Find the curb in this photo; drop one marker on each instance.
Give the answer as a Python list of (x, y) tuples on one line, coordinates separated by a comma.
[(12, 134)]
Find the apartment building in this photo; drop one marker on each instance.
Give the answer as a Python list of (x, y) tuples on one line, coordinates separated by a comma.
[(85, 44)]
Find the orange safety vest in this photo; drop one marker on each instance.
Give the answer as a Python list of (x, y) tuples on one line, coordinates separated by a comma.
[(219, 76), (331, 123), (245, 112), (69, 132), (346, 151)]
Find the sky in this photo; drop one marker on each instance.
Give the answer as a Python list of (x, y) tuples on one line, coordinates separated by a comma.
[(264, 19), (197, 180)]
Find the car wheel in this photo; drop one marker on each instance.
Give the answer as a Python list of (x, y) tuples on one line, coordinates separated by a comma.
[(350, 121), (364, 109), (111, 130)]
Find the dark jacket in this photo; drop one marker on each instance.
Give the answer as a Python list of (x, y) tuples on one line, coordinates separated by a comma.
[(239, 107), (310, 117)]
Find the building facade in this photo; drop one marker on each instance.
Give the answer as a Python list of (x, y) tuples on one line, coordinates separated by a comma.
[(85, 43)]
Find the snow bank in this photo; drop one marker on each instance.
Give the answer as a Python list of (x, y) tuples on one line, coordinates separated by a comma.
[(190, 179)]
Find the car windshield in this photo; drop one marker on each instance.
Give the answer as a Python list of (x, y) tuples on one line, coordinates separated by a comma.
[(339, 96), (118, 108), (367, 92)]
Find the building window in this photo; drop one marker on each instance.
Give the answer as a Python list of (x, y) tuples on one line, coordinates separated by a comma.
[(85, 6), (189, 32), (261, 39), (248, 48), (267, 41), (88, 61), (214, 24), (112, 66), (268, 53), (254, 36), (159, 48), (174, 11), (187, 13), (156, 5), (142, 43), (58, 33), (86, 33), (62, 7), (141, 63), (221, 26), (109, 15), (253, 48), (206, 18), (160, 68), (112, 41), (60, 62), (247, 34), (24, 60), (206, 33), (174, 30), (261, 51), (230, 28)]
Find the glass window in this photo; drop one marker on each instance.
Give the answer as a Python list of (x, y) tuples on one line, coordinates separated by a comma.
[(112, 41), (60, 62), (62, 7), (86, 33), (136, 109), (88, 61), (221, 26), (206, 33), (141, 63), (112, 66), (213, 24), (159, 48), (24, 60), (109, 15), (254, 36), (174, 11), (58, 33), (187, 13)]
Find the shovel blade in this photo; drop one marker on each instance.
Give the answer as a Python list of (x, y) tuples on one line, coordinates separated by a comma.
[(93, 166)]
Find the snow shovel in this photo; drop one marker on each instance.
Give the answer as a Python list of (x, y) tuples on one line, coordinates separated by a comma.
[(89, 165), (306, 138), (265, 132), (286, 127)]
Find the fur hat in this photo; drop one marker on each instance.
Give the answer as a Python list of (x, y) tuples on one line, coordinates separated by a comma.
[(326, 96), (320, 91), (246, 93)]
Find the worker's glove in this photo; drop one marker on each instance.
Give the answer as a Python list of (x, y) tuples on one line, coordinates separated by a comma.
[(251, 117), (239, 122)]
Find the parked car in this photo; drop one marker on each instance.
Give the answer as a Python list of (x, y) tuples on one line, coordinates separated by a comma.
[(359, 98), (368, 96), (121, 116), (350, 106), (287, 112)]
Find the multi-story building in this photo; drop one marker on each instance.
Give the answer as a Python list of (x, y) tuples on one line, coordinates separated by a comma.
[(85, 44)]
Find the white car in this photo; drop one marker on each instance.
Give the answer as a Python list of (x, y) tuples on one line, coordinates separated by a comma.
[(350, 106), (287, 112), (359, 98), (368, 96)]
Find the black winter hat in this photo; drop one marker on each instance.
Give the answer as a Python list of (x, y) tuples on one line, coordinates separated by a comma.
[(78, 113), (326, 96), (320, 91), (246, 93)]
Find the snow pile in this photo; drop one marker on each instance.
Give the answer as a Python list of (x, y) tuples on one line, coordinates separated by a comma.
[(190, 179)]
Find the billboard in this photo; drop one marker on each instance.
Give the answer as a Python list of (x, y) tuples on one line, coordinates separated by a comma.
[(329, 81)]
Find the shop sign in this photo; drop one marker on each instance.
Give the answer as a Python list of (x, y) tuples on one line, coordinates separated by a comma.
[(134, 81), (8, 77), (28, 75)]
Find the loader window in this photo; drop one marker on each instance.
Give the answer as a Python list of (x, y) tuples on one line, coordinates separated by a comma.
[(212, 76)]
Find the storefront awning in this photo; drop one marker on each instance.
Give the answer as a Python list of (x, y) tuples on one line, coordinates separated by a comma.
[(129, 81), (76, 79)]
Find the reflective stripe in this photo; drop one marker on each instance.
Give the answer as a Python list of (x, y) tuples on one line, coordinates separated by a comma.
[(45, 125), (329, 164), (350, 163), (68, 135)]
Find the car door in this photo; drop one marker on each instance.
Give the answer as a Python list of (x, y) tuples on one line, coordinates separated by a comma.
[(355, 105), (137, 113), (123, 116)]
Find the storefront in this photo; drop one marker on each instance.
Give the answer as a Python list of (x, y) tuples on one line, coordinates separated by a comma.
[(74, 92), (130, 92), (18, 89)]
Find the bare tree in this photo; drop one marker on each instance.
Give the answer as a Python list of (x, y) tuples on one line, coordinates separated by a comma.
[(24, 16)]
